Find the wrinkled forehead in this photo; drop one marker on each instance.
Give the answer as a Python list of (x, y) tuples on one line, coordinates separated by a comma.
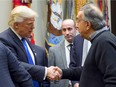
[(68, 24)]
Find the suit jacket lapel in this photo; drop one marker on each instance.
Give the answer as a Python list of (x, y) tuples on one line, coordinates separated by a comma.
[(19, 43), (16, 40)]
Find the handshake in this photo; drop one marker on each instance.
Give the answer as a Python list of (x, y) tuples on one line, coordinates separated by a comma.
[(54, 73)]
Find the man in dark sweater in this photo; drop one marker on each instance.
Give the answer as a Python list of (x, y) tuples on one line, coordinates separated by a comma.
[(99, 69)]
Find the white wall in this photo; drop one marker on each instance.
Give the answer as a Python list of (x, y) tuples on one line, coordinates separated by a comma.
[(5, 8)]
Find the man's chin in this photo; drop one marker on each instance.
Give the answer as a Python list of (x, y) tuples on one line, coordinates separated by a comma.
[(69, 40)]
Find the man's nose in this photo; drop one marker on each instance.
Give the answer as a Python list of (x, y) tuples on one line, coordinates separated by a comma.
[(33, 26), (67, 32)]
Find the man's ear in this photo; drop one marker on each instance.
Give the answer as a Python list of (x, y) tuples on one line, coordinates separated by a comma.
[(88, 25), (16, 25)]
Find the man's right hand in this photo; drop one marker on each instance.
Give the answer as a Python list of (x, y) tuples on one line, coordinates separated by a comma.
[(54, 73)]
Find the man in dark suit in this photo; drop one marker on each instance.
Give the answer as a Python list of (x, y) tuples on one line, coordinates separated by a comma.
[(77, 52), (80, 50), (21, 25), (99, 69), (11, 71)]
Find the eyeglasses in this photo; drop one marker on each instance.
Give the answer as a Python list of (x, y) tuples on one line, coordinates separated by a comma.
[(78, 21)]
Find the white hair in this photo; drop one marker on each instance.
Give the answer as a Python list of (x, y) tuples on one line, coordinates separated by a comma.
[(19, 13)]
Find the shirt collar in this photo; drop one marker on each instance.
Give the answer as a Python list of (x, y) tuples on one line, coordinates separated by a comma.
[(16, 33), (67, 43), (97, 32)]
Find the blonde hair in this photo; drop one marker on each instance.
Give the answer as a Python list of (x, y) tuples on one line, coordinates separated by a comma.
[(19, 13)]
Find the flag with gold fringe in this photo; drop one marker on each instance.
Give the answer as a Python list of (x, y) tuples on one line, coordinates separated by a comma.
[(28, 4), (103, 5), (54, 21), (69, 9)]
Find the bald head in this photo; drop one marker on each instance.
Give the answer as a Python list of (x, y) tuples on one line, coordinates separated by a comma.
[(68, 22), (69, 30)]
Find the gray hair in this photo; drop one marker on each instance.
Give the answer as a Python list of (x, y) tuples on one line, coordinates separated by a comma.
[(19, 13), (93, 14)]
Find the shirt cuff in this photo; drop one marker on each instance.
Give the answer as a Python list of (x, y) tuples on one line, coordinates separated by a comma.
[(45, 73)]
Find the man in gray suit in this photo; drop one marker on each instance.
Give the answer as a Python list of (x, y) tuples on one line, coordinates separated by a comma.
[(59, 55)]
